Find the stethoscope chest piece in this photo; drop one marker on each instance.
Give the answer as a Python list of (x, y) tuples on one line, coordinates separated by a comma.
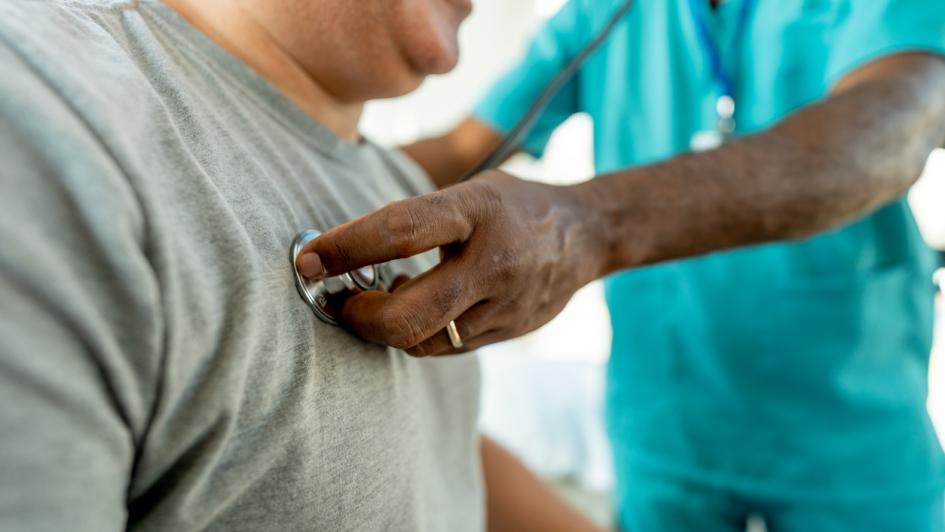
[(326, 297)]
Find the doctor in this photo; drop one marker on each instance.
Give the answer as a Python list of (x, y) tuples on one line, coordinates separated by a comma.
[(785, 378)]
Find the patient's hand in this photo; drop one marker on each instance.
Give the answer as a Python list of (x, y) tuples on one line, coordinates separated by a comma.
[(512, 254)]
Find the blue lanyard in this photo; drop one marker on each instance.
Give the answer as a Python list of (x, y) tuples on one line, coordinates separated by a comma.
[(724, 83)]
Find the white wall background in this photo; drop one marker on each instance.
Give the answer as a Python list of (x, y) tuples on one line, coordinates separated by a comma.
[(928, 203)]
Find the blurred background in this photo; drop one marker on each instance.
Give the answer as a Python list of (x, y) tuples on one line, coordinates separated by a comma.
[(543, 394)]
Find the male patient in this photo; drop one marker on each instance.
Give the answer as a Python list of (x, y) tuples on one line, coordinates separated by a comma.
[(158, 370)]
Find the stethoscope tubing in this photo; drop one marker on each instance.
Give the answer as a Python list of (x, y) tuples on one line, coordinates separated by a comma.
[(513, 139)]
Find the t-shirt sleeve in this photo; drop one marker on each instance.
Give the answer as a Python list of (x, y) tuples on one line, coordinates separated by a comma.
[(550, 50), (77, 317), (871, 29)]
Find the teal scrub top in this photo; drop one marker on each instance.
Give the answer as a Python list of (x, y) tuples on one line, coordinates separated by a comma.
[(791, 370)]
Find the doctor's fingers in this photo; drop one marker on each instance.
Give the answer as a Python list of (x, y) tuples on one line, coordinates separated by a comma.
[(417, 310), (399, 230), (488, 322), (490, 337), (399, 281), (483, 318)]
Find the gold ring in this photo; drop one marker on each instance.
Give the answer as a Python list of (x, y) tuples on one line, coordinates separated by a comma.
[(453, 333)]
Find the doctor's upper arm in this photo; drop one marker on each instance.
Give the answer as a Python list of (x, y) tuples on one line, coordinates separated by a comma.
[(918, 67), (874, 39)]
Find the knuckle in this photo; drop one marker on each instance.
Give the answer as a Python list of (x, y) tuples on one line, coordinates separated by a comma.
[(464, 328), (515, 302), (486, 198), (479, 318), (506, 333), (515, 310), (400, 329), (417, 352), (403, 225), (438, 199), (339, 255), (505, 266), (448, 213), (449, 297), (511, 309), (454, 217)]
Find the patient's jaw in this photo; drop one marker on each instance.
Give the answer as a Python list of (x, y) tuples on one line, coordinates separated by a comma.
[(331, 56), (366, 49)]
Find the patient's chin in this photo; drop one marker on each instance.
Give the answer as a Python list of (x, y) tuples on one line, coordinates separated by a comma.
[(414, 52), (432, 47), (439, 56), (406, 85), (383, 85), (446, 62)]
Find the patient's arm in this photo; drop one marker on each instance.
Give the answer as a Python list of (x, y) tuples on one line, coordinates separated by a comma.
[(518, 501), (80, 317), (448, 157)]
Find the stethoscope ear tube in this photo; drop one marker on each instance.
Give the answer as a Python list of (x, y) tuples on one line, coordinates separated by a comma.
[(513, 139)]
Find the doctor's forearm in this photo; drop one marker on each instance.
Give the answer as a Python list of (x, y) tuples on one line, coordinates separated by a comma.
[(828, 164)]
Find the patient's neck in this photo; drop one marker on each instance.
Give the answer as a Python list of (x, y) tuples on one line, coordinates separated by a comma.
[(232, 28)]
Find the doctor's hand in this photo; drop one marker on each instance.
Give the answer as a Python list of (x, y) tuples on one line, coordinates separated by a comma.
[(512, 254)]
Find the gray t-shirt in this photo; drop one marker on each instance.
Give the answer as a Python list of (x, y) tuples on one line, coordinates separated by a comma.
[(158, 370)]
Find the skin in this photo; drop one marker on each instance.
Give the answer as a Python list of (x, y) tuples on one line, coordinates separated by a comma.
[(514, 252), (380, 48), (519, 501), (449, 157)]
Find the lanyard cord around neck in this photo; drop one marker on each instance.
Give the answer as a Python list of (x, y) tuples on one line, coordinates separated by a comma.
[(723, 81)]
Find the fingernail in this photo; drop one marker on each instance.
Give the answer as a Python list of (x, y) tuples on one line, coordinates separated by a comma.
[(311, 267)]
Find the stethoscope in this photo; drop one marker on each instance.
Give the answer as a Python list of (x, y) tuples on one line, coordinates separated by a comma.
[(326, 297)]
